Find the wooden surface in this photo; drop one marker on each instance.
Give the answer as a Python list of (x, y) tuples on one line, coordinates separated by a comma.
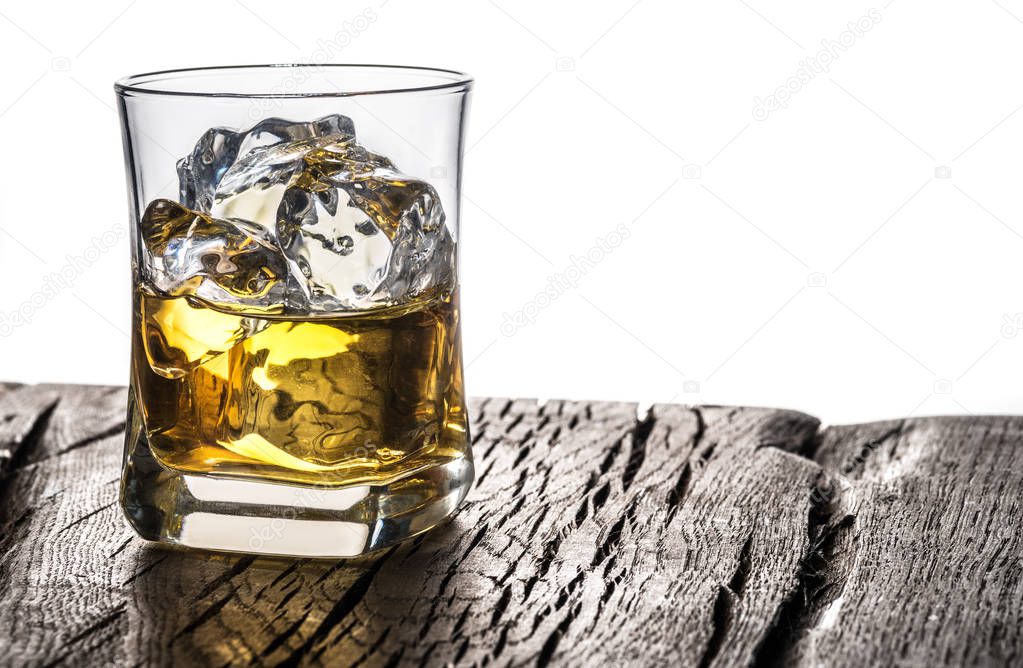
[(688, 536)]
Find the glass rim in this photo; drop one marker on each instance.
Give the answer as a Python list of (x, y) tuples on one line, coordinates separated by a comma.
[(434, 79)]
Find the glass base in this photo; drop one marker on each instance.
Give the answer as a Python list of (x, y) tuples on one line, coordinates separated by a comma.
[(245, 515)]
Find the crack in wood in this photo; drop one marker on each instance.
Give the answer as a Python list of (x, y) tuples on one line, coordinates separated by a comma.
[(701, 427), (738, 582), (725, 603), (614, 536), (288, 571), (115, 430), (660, 538), (237, 567), (816, 578), (609, 458), (86, 516), (86, 633), (148, 567), (98, 624), (32, 439), (344, 607), (283, 636), (721, 621), (206, 615), (584, 508), (550, 645), (501, 605), (120, 548), (637, 454), (678, 493)]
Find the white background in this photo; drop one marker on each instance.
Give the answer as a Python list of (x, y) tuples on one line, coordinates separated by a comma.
[(856, 254)]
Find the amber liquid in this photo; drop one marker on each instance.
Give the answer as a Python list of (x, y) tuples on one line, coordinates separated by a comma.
[(335, 401)]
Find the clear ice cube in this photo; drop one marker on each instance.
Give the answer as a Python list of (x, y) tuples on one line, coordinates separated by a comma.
[(219, 261), (297, 217), (219, 148)]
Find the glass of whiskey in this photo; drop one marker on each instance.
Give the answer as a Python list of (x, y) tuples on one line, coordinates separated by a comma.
[(296, 362)]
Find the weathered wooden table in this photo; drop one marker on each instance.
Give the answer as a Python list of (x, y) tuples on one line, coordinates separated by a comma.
[(691, 536)]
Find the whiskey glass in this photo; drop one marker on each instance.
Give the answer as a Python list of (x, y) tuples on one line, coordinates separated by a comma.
[(296, 364)]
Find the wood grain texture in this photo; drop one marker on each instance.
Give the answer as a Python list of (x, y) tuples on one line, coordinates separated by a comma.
[(24, 412), (922, 559), (61, 531), (685, 536), (590, 535)]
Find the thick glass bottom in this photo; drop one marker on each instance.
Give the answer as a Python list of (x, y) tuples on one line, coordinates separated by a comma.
[(248, 515)]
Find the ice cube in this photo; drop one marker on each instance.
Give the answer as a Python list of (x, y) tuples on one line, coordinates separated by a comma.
[(291, 214), (342, 192), (221, 261), (200, 173)]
